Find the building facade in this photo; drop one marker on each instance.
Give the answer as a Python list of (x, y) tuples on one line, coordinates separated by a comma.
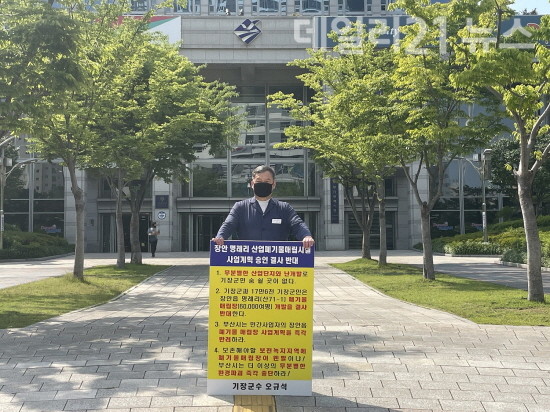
[(248, 43)]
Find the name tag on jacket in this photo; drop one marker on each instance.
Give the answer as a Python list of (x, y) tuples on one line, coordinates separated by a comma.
[(276, 221)]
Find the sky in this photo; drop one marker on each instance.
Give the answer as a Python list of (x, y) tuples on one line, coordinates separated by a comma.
[(542, 6)]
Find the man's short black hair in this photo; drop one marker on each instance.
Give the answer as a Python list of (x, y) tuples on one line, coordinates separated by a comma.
[(263, 169)]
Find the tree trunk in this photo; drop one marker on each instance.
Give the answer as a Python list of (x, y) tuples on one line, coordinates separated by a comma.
[(365, 247), (121, 252), (137, 257), (428, 270), (367, 226), (137, 194), (383, 253), (78, 193), (535, 289)]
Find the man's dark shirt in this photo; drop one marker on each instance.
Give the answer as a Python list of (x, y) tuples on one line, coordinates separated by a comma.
[(247, 221)]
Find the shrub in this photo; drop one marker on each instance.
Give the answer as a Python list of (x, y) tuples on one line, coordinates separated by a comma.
[(542, 222), (438, 244), (25, 245), (472, 247), (506, 238), (514, 256), (512, 238)]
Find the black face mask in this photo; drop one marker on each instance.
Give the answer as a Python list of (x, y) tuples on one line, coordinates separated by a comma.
[(263, 189)]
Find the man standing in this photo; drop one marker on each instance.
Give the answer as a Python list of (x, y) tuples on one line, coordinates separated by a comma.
[(262, 217)]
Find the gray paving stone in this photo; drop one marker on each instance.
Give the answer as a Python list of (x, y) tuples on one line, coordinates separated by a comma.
[(377, 402), (15, 388), (76, 394), (352, 392), (11, 407), (335, 402), (100, 383), (43, 406), (116, 393), (205, 400), (204, 409), (399, 393), (421, 404), (34, 396), (171, 401), (78, 404), (504, 407), (403, 384), (371, 354), (513, 397), (136, 383), (457, 405), (474, 395), (130, 402)]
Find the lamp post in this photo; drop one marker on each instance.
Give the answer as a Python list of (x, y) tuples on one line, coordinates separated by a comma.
[(6, 162), (483, 172), (485, 158)]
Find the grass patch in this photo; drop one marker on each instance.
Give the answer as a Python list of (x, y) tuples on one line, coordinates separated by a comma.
[(481, 302), (32, 302)]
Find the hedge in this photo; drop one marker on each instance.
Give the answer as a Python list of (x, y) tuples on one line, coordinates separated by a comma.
[(472, 247), (26, 245), (506, 238)]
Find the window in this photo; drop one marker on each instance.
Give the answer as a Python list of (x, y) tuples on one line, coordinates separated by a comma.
[(312, 6), (279, 119), (241, 174), (210, 180), (354, 6), (290, 179), (251, 143), (229, 7), (192, 7), (140, 5), (274, 7)]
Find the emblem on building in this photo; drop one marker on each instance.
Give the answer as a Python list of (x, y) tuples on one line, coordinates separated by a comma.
[(248, 30)]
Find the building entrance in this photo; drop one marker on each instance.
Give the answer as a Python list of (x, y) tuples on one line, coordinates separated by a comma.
[(108, 232), (199, 229)]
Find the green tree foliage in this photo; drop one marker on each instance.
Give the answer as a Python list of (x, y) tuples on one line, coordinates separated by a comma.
[(156, 111), (61, 124), (37, 46), (504, 156), (346, 123), (515, 70), (438, 127)]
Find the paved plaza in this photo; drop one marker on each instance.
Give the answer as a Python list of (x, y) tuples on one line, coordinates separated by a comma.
[(146, 350)]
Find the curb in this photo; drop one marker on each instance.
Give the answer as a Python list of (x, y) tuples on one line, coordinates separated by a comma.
[(453, 255), (488, 256), (36, 259), (521, 265)]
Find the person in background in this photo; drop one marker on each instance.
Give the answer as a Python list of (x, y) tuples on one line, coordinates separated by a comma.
[(153, 233), (262, 217)]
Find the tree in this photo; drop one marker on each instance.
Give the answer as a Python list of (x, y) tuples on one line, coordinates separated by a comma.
[(157, 111), (438, 128), (207, 118), (345, 124), (61, 124), (504, 155), (37, 47), (515, 70)]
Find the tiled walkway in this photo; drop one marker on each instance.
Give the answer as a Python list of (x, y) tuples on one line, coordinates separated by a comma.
[(146, 351)]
